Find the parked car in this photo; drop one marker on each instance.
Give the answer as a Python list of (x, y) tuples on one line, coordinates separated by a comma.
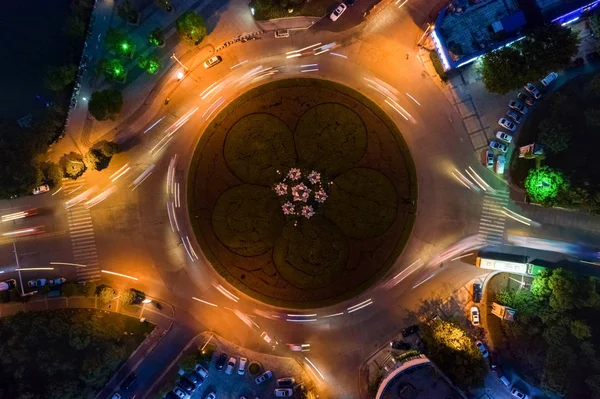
[(40, 282), (283, 392), (482, 349), (410, 330), (504, 380), (535, 93), (195, 378), (500, 164), (57, 281), (552, 76), (518, 394), (44, 188), (526, 99), (212, 61), (282, 33), (286, 382), (496, 145), (8, 284), (398, 344), (221, 361), (514, 115), (504, 136), (128, 382), (266, 338), (211, 395), (518, 106), (339, 10), (116, 396), (476, 292), (181, 394), (187, 385), (505, 123), (475, 315), (230, 365), (266, 376), (201, 371), (489, 159)]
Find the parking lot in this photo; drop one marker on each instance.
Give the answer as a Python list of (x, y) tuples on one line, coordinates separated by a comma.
[(237, 386)]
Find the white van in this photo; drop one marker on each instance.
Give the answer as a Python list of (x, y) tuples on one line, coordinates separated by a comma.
[(505, 380), (550, 78), (500, 162)]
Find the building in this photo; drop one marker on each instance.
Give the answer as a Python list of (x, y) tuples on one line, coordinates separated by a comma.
[(468, 29), (417, 377)]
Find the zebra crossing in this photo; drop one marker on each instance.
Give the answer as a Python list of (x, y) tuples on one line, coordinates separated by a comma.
[(492, 220), (81, 230)]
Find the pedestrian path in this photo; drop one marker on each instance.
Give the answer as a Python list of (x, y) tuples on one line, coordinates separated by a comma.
[(81, 229), (491, 222)]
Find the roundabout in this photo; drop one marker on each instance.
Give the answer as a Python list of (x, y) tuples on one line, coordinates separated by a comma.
[(301, 193)]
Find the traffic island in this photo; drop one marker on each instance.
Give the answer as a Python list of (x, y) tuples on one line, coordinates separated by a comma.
[(302, 193)]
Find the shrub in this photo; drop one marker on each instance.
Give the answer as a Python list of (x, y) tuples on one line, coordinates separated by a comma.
[(437, 64)]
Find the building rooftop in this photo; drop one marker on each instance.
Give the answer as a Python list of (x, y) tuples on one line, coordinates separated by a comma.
[(417, 379)]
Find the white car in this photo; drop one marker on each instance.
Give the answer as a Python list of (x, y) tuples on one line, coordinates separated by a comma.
[(37, 283), (242, 366), (116, 396), (475, 315), (201, 371), (338, 12), (496, 145), (516, 393), (535, 93), (489, 159), (518, 106), (181, 393), (508, 125), (283, 392), (230, 365), (44, 188), (550, 78), (267, 375), (481, 347), (212, 61), (500, 163), (211, 395), (504, 136)]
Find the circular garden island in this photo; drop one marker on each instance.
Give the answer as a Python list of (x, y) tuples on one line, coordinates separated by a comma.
[(301, 193)]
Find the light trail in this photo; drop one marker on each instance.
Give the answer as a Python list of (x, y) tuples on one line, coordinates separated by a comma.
[(204, 302), (403, 3), (75, 189), (177, 198), (247, 320), (461, 256), (217, 105), (171, 174), (310, 70), (475, 180), (464, 181), (119, 275), (25, 232), (143, 176), (487, 186), (124, 169), (361, 307), (208, 93), (191, 247), (315, 367), (414, 99), (332, 315), (302, 49), (225, 292), (518, 219), (338, 55), (424, 281), (359, 304), (396, 109), (301, 315), (308, 65), (293, 55), (186, 249), (154, 124), (18, 215), (301, 320), (100, 197), (238, 65), (67, 264), (57, 191), (27, 269)]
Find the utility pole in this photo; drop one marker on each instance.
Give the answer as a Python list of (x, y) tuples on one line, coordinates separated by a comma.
[(18, 268), (180, 63)]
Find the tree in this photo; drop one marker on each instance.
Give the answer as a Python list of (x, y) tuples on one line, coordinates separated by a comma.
[(500, 70), (109, 148), (119, 43), (543, 185), (127, 297), (105, 104), (128, 11), (593, 381), (52, 173), (539, 286), (75, 26), (555, 377), (72, 165), (57, 78), (89, 289), (69, 289), (149, 64), (580, 330), (107, 294), (191, 27), (554, 136), (92, 159), (594, 24), (562, 285), (113, 69), (156, 37), (188, 362)]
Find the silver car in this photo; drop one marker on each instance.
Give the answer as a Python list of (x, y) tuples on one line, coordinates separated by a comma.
[(496, 145), (508, 125), (504, 136), (518, 106), (515, 116)]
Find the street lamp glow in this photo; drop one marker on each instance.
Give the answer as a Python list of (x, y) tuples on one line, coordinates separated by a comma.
[(179, 75), (252, 10)]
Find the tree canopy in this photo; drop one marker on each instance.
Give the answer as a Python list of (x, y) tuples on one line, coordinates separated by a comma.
[(191, 27), (105, 104), (57, 78), (546, 49)]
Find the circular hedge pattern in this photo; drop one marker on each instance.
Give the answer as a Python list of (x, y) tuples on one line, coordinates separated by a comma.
[(257, 146), (312, 254), (301, 261), (331, 138), (362, 203), (247, 219)]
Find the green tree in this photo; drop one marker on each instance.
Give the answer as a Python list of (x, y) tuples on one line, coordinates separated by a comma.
[(594, 24), (52, 173), (191, 27), (562, 284), (105, 104), (523, 301), (92, 159), (112, 69), (109, 148), (128, 11), (150, 64), (156, 37), (554, 136), (117, 41), (500, 70), (127, 297), (580, 330), (107, 294), (539, 286), (79, 337), (69, 289), (188, 362), (89, 289), (544, 184), (593, 381), (57, 78), (72, 165), (555, 378)]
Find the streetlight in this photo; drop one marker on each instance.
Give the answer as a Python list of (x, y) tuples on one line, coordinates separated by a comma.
[(179, 62), (144, 302), (179, 75)]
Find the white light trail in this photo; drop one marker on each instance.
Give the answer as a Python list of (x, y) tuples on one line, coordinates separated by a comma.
[(403, 3), (322, 51), (315, 367), (424, 281), (208, 93), (361, 307), (310, 70), (238, 65), (217, 104), (338, 55), (204, 302), (225, 292), (301, 320), (122, 170), (57, 191), (396, 109), (177, 198), (461, 256), (119, 274), (293, 55), (75, 189), (464, 181), (332, 315), (487, 186), (516, 216), (14, 216), (67, 264), (100, 197), (171, 174), (305, 48), (140, 179), (21, 232), (414, 99), (191, 247), (26, 269), (247, 320), (171, 217), (301, 315), (154, 124), (476, 180), (359, 304), (187, 249), (308, 65)]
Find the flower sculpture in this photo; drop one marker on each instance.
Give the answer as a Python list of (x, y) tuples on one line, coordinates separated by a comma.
[(306, 194)]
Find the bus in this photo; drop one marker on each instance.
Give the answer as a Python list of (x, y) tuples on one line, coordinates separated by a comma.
[(529, 269)]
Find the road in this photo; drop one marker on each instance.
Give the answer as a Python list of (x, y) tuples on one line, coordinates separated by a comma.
[(132, 233)]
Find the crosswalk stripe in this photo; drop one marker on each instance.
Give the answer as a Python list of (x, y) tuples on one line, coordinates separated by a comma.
[(83, 241), (492, 220)]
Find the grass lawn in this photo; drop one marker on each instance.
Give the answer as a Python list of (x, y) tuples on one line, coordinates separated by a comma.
[(66, 354)]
